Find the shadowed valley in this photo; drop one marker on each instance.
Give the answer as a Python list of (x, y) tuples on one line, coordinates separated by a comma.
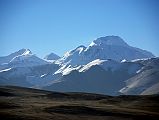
[(31, 104)]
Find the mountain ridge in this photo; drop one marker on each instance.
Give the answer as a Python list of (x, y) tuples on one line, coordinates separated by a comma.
[(106, 66), (109, 47)]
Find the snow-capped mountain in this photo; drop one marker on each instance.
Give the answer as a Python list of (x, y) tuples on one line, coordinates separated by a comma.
[(23, 68), (109, 47), (7, 59), (108, 66), (98, 76), (51, 56), (21, 58)]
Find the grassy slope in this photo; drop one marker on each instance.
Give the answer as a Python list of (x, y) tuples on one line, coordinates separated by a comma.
[(30, 104)]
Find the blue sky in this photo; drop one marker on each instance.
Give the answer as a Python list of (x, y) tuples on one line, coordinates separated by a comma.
[(57, 26)]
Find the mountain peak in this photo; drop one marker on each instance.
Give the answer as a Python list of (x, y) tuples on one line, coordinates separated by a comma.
[(108, 47), (24, 51), (110, 40), (51, 56)]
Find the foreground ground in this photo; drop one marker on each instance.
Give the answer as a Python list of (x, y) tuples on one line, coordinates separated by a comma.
[(18, 103)]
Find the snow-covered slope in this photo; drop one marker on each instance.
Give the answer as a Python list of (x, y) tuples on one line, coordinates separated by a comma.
[(21, 58), (106, 66), (7, 59), (23, 68), (109, 47), (32, 76), (98, 76), (51, 56), (17, 68), (111, 77)]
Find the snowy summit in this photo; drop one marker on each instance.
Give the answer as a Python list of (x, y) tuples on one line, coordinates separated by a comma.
[(110, 40), (109, 47)]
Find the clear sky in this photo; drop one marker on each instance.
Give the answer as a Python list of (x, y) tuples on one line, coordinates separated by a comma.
[(46, 26)]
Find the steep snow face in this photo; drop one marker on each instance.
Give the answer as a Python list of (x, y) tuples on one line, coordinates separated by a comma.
[(89, 65), (21, 58), (51, 56), (109, 47), (66, 69), (7, 59), (26, 52), (105, 64), (74, 57)]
